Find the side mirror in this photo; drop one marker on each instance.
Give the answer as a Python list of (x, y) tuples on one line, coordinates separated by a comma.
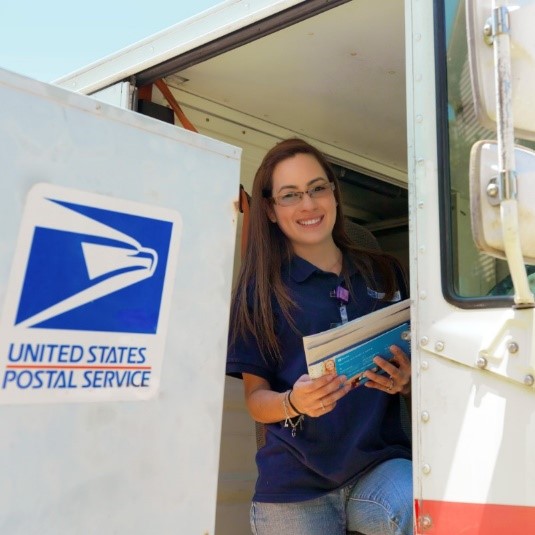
[(485, 201), (480, 52)]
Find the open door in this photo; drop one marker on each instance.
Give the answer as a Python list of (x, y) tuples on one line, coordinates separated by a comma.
[(117, 255)]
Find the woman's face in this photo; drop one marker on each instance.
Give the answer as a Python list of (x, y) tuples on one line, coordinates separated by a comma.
[(309, 222)]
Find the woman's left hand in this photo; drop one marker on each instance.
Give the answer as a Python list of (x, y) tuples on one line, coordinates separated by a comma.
[(398, 373)]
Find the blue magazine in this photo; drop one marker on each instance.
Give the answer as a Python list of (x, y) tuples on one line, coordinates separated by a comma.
[(349, 349)]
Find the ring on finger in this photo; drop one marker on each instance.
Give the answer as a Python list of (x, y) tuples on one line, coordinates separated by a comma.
[(391, 384), (322, 405)]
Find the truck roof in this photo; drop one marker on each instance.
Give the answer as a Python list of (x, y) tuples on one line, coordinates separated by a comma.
[(332, 71), (220, 20)]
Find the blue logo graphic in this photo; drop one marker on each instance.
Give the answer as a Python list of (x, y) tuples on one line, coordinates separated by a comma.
[(93, 269)]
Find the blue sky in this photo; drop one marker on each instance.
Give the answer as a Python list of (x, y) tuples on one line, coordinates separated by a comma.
[(51, 38)]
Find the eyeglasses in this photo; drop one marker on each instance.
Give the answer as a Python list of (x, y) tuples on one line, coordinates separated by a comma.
[(294, 197)]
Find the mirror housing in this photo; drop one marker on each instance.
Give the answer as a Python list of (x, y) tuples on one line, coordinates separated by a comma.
[(481, 58), (485, 201)]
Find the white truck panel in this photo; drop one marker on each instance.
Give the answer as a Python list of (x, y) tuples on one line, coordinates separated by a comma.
[(473, 419), (100, 465)]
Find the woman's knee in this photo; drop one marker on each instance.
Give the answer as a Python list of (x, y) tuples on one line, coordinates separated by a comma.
[(382, 501)]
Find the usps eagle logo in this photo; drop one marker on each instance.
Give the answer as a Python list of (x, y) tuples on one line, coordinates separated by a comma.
[(89, 267)]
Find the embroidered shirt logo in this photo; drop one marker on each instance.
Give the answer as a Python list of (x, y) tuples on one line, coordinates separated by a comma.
[(380, 295)]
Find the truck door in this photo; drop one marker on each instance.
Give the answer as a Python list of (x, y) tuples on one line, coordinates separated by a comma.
[(474, 410), (117, 248)]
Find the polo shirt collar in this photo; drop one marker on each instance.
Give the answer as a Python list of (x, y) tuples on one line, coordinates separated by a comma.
[(300, 269)]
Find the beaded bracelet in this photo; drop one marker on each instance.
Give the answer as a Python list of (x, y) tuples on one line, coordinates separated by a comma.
[(288, 420)]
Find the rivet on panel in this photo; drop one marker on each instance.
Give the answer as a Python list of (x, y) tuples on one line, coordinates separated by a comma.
[(422, 249), (423, 295), (419, 118), (439, 346), (512, 347), (424, 341), (425, 416), (426, 469), (528, 380), (425, 522), (420, 204), (424, 365), (481, 362)]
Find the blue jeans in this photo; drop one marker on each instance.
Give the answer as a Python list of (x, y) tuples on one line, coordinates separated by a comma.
[(379, 503)]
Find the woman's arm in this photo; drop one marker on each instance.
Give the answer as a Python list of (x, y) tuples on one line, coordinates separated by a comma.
[(312, 397)]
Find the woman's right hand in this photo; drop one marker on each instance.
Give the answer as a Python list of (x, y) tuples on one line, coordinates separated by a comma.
[(316, 397)]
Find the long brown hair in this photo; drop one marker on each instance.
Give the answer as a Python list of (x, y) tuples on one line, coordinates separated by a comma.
[(260, 280)]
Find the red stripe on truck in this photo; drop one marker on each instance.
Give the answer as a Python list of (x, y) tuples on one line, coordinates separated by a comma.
[(455, 518)]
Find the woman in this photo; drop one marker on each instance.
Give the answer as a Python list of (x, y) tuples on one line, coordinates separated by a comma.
[(336, 459)]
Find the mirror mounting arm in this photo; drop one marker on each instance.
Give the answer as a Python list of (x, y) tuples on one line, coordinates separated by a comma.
[(503, 83), (506, 155)]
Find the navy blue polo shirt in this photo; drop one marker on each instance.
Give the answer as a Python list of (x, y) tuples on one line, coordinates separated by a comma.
[(332, 450)]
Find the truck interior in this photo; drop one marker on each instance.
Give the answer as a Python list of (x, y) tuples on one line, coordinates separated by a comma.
[(332, 73), (336, 78)]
